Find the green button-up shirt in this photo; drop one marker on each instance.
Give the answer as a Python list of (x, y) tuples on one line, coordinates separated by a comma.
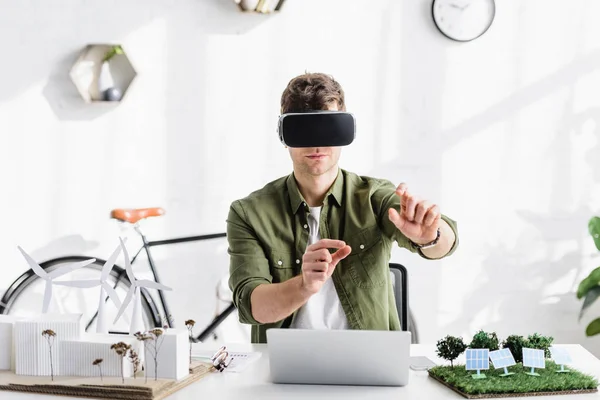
[(268, 234)]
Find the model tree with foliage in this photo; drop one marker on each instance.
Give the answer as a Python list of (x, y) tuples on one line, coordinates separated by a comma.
[(121, 349), (134, 358), (98, 362), (485, 340), (154, 339), (190, 326), (450, 348), (515, 344), (537, 341), (50, 335)]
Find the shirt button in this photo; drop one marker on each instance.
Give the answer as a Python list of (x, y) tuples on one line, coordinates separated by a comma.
[(305, 226), (280, 262), (362, 246), (297, 261)]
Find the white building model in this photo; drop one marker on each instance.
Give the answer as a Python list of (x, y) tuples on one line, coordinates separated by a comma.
[(77, 355), (32, 350), (72, 352)]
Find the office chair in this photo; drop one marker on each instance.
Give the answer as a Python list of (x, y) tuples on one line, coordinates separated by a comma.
[(399, 276)]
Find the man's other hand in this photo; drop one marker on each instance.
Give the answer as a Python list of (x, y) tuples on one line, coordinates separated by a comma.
[(318, 263)]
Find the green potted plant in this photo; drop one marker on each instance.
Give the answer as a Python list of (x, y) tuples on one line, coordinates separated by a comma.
[(106, 84), (589, 288)]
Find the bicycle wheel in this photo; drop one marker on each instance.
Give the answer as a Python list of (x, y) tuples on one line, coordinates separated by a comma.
[(25, 296)]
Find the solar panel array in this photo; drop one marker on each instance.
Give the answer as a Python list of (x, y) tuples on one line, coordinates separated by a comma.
[(477, 359), (502, 358), (533, 358), (560, 355)]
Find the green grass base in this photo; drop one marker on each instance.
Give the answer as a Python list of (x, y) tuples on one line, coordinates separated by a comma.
[(496, 385)]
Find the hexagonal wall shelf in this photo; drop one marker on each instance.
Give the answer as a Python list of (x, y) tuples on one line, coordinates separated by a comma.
[(260, 6), (103, 73)]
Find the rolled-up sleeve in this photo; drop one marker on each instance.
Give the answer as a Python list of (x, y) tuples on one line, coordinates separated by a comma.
[(384, 198), (248, 265)]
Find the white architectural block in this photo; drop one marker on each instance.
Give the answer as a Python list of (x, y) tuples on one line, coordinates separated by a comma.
[(173, 357), (32, 356), (78, 354), (7, 350)]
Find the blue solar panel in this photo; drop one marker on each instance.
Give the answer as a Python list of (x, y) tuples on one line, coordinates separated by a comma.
[(533, 358), (477, 359), (560, 355), (502, 358)]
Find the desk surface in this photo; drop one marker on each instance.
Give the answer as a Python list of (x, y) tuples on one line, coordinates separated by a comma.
[(253, 383)]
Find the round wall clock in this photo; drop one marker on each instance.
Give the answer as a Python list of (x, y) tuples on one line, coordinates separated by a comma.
[(463, 20)]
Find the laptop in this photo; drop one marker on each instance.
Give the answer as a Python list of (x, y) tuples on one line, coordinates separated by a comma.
[(339, 357)]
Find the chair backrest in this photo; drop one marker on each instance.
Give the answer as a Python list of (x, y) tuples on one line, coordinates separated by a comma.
[(399, 276)]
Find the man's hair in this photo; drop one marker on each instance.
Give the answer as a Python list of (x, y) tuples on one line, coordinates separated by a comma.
[(312, 91)]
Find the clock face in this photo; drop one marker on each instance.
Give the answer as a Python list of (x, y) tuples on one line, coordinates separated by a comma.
[(463, 20)]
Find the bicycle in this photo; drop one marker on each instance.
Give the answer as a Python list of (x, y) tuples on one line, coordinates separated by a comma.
[(23, 288)]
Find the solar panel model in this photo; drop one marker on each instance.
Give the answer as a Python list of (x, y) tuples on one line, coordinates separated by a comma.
[(561, 356), (533, 358), (477, 359), (503, 359)]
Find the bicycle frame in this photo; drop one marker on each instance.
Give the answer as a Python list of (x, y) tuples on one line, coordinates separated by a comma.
[(146, 247)]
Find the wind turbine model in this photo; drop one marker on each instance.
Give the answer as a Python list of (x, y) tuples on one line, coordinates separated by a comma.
[(137, 325), (50, 276), (104, 287)]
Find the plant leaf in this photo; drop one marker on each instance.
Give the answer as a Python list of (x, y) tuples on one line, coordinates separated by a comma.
[(593, 328), (593, 279), (590, 297), (594, 228)]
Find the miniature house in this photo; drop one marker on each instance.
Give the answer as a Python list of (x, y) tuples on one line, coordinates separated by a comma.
[(173, 357), (32, 355), (7, 352), (91, 346)]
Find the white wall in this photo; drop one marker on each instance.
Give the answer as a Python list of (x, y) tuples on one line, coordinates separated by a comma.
[(503, 132)]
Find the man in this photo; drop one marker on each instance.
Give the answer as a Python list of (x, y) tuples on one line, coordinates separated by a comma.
[(282, 272)]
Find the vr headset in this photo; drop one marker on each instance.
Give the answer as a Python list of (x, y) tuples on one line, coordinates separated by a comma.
[(317, 129)]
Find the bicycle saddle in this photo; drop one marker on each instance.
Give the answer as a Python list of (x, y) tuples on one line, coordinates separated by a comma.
[(133, 215)]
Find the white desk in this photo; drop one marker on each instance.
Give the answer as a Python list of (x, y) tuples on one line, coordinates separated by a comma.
[(253, 383)]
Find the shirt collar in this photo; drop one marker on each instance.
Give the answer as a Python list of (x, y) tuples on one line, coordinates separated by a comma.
[(334, 193)]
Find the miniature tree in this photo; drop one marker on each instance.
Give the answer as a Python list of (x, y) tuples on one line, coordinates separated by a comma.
[(143, 337), (515, 344), (98, 362), (537, 341), (155, 340), (121, 349), (50, 335), (134, 358), (450, 348), (190, 326), (485, 340)]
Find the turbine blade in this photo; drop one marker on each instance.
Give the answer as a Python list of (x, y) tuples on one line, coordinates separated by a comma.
[(112, 294), (110, 263), (70, 267), (151, 284), (47, 297), (80, 284), (125, 302), (128, 268), (39, 271)]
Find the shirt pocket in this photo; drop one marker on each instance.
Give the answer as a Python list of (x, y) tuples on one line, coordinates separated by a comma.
[(364, 262), (282, 265)]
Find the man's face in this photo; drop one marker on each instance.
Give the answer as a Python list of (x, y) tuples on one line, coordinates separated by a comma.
[(315, 160)]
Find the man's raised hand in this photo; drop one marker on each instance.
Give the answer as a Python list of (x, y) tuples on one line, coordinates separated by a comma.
[(318, 263)]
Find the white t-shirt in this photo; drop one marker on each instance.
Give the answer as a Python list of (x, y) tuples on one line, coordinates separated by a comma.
[(323, 310)]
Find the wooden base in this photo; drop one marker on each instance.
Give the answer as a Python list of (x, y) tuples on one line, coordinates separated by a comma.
[(500, 395), (108, 388)]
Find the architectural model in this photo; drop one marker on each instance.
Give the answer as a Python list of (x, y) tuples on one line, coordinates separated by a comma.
[(32, 355), (92, 346)]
